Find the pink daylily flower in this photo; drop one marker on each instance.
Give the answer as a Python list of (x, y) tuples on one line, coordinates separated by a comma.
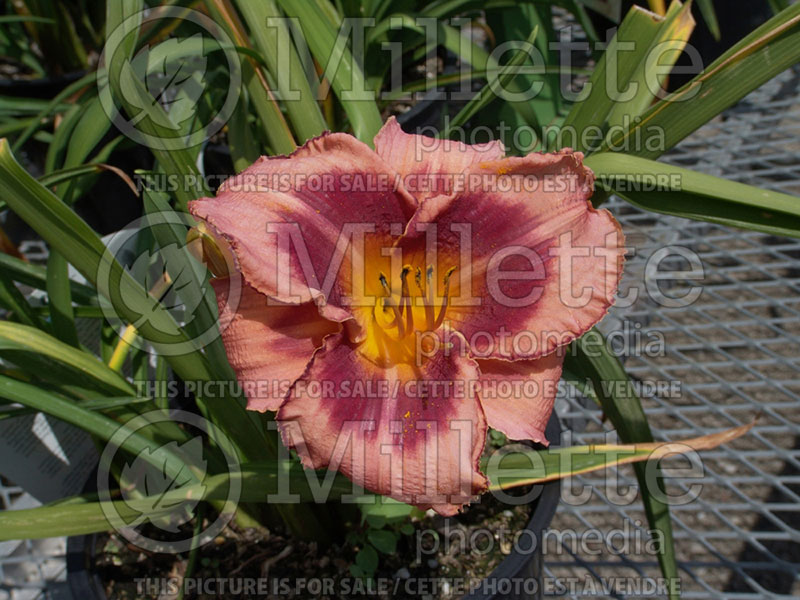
[(396, 303)]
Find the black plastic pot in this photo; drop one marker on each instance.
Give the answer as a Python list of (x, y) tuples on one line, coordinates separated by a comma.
[(84, 583), (518, 577)]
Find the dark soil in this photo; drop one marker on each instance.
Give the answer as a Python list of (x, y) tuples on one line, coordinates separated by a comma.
[(284, 567)]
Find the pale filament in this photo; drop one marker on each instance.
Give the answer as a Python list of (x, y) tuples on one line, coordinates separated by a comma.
[(402, 310)]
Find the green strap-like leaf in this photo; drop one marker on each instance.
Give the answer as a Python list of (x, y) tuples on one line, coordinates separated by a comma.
[(638, 27), (36, 277), (57, 147), (132, 94), (327, 43), (70, 151), (225, 409), (672, 190), (70, 235), (88, 420), (274, 126), (623, 85), (623, 407), (96, 404), (661, 52), (65, 231), (90, 128), (62, 317), (710, 17), (170, 232), (273, 40), (14, 336), (757, 58), (12, 299), (487, 93), (54, 105), (82, 515), (242, 144), (518, 468)]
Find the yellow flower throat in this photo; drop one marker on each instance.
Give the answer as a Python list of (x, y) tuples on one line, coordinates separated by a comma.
[(399, 314)]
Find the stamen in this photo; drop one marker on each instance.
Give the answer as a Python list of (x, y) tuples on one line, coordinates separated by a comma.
[(425, 290), (388, 301), (446, 301), (384, 283), (405, 300), (402, 308)]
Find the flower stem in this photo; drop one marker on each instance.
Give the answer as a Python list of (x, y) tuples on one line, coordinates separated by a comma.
[(129, 334), (121, 349)]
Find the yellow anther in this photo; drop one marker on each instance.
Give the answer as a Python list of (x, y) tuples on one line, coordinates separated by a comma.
[(384, 283)]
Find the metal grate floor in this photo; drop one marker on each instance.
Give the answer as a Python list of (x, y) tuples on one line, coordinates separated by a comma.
[(736, 353)]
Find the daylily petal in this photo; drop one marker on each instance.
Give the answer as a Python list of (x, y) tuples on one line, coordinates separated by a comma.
[(268, 346), (529, 215), (429, 165), (308, 199), (382, 430), (518, 396)]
